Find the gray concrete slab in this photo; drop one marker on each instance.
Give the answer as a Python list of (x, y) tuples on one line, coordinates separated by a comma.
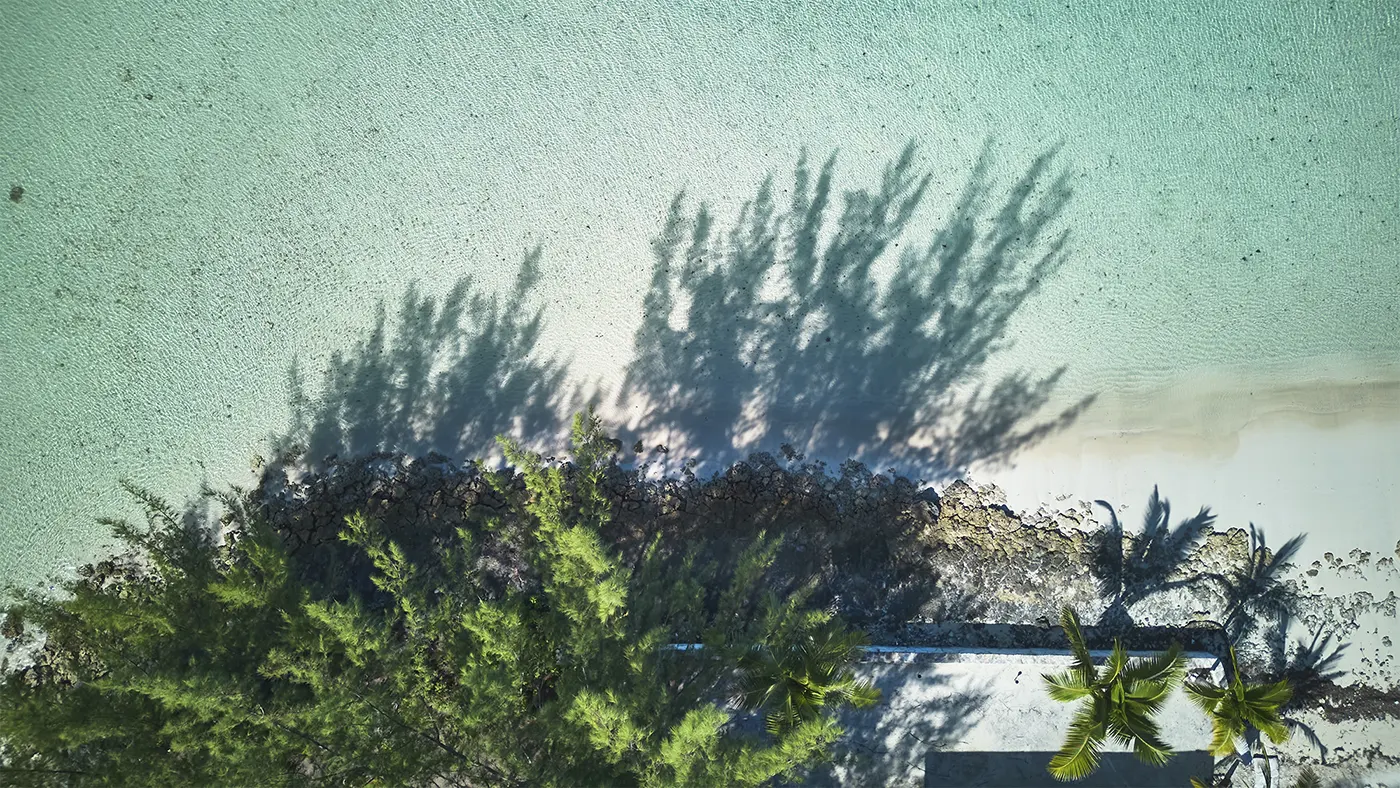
[(1027, 770), (957, 718)]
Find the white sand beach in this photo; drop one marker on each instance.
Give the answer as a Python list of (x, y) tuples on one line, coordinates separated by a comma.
[(1292, 458), (1293, 450)]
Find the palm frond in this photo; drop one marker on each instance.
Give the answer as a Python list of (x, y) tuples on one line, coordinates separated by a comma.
[(1149, 696), (780, 720), (1225, 731), (807, 671), (1066, 686), (1079, 756), (1273, 695), (759, 677), (1168, 667), (1267, 720), (1146, 739), (1117, 663), (1083, 663), (1206, 696), (861, 694)]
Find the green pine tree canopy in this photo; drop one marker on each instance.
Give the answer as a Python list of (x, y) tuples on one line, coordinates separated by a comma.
[(198, 658)]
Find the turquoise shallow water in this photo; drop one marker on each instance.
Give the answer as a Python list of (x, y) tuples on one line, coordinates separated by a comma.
[(211, 191)]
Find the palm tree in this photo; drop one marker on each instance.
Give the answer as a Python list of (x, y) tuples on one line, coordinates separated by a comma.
[(1238, 710), (795, 680), (1122, 696)]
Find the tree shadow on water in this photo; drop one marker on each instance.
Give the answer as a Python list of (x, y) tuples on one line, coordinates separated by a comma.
[(450, 377), (778, 331), (775, 331)]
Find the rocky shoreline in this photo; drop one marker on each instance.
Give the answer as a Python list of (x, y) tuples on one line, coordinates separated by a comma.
[(972, 573)]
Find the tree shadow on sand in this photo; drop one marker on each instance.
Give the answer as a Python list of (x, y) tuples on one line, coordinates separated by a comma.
[(1312, 668), (777, 330), (1259, 600), (922, 710), (450, 377), (1131, 568), (853, 539), (1256, 591), (1255, 596)]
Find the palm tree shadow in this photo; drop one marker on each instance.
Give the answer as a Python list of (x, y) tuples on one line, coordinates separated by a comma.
[(449, 377), (776, 330), (1129, 569), (1255, 592), (1311, 668)]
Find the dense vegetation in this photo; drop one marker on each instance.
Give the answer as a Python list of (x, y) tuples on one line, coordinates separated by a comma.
[(403, 621), (201, 658)]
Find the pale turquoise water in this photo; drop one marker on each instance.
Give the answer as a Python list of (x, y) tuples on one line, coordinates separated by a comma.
[(1235, 176)]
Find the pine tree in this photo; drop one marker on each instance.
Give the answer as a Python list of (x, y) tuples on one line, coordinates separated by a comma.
[(192, 661)]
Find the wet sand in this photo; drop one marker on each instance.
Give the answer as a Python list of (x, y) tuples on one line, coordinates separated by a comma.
[(1293, 455)]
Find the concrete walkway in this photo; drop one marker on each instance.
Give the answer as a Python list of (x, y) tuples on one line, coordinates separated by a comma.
[(961, 718)]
